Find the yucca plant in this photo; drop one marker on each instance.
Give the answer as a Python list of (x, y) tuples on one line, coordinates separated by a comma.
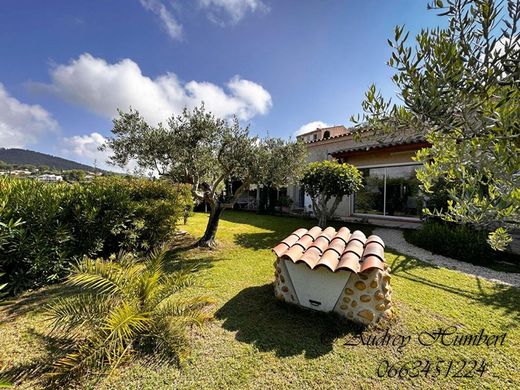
[(122, 307)]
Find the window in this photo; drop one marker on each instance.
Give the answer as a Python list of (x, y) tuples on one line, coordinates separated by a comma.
[(315, 137), (326, 134), (392, 191)]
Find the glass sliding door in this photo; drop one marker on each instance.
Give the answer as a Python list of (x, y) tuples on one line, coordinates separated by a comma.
[(371, 198), (402, 191), (389, 191)]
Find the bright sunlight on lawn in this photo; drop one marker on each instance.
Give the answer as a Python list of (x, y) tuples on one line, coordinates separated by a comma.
[(256, 342)]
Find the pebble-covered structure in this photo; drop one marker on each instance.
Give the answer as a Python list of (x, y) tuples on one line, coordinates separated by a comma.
[(331, 270)]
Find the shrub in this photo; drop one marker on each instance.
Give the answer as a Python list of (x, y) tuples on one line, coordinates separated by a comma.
[(57, 223), (327, 180), (460, 242), (123, 307)]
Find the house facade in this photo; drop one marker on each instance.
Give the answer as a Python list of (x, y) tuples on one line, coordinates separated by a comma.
[(391, 189)]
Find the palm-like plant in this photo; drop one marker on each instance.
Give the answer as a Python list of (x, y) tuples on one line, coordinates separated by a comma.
[(123, 306)]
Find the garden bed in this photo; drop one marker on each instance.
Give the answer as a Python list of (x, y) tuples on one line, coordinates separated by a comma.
[(462, 243), (256, 342)]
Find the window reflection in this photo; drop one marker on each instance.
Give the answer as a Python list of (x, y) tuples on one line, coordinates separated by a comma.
[(389, 191), (370, 200)]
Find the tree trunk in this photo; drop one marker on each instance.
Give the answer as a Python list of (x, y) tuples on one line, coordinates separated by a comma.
[(322, 220), (208, 239), (322, 217)]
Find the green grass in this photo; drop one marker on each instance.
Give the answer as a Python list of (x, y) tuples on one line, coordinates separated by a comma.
[(256, 342)]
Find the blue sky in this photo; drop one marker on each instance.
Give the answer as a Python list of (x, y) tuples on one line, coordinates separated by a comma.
[(277, 64)]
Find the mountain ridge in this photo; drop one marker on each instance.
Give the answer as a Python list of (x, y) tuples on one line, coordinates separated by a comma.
[(31, 157)]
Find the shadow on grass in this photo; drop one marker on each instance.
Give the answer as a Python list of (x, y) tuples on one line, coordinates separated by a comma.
[(56, 347), (498, 296), (36, 301), (279, 227), (285, 329), (258, 241), (283, 225)]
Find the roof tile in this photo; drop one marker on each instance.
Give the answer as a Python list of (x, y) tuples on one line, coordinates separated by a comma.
[(335, 250)]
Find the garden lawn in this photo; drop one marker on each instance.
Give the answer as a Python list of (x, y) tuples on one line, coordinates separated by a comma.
[(256, 342)]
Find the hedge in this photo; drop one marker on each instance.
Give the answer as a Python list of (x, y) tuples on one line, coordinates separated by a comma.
[(460, 242), (44, 227)]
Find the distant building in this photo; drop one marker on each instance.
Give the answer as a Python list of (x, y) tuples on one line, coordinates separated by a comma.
[(20, 172), (50, 178)]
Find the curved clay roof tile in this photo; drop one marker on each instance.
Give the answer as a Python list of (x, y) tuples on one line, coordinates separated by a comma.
[(310, 257), (335, 250), (296, 251), (355, 247), (321, 243), (330, 259), (349, 261), (374, 249), (289, 241), (359, 236), (374, 238), (300, 232), (338, 246), (329, 232), (342, 234), (371, 262), (314, 232)]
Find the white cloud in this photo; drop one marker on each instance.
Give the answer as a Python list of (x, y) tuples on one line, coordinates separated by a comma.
[(234, 10), (86, 147), (311, 126), (173, 28), (102, 87), (22, 124)]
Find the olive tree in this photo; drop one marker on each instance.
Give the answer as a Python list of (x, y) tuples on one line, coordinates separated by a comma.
[(328, 180), (207, 152), (460, 86)]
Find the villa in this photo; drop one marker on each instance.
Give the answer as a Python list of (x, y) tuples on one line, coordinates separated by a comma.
[(391, 190)]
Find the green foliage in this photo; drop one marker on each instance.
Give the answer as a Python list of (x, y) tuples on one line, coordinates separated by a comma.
[(457, 241), (205, 151), (46, 226), (326, 180), (285, 201), (459, 86), (74, 175), (122, 307)]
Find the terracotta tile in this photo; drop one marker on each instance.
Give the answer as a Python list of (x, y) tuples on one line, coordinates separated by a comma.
[(356, 247), (338, 246), (374, 249), (343, 234), (330, 259), (310, 257), (335, 250), (314, 232), (280, 249), (359, 236), (349, 261), (329, 232), (374, 238), (371, 262), (300, 232)]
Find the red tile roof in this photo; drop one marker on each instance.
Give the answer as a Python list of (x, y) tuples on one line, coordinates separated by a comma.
[(335, 250)]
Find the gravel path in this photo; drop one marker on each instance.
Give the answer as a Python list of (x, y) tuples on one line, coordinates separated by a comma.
[(394, 238)]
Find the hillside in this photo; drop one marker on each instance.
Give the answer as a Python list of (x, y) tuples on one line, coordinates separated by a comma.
[(22, 156)]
